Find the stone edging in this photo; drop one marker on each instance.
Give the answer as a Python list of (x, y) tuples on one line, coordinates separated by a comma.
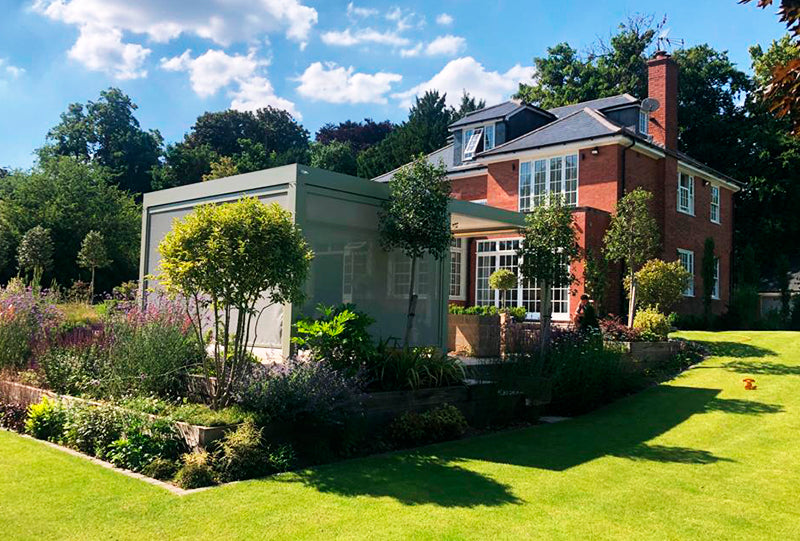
[(178, 491)]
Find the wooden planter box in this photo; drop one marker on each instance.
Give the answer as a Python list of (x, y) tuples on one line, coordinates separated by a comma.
[(474, 336), (649, 354), (195, 436)]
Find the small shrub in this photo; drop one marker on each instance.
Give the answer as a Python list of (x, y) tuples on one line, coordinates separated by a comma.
[(660, 284), (12, 416), (77, 370), (280, 458), (414, 368), (652, 325), (443, 423), (46, 420), (242, 454), (143, 441), (93, 429), (339, 336), (300, 392), (162, 469), (187, 412), (615, 330), (486, 310), (196, 471)]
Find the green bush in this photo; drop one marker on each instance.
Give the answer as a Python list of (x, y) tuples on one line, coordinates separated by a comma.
[(143, 441), (414, 368), (187, 412), (651, 324), (46, 420), (659, 284), (339, 336), (445, 422), (242, 454), (196, 471), (162, 469), (92, 429), (75, 370), (486, 310)]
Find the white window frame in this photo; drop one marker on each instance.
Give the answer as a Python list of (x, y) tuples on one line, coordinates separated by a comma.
[(469, 132), (686, 257), (644, 122), (689, 191), (458, 252), (488, 128), (529, 196), (715, 210), (522, 287), (715, 291), (422, 283)]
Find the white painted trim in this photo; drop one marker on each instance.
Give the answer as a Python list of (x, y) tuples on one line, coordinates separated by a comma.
[(689, 253), (478, 171), (696, 171), (711, 205), (547, 180), (461, 250), (692, 193)]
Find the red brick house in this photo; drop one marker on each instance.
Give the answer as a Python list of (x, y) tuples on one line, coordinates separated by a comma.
[(512, 155)]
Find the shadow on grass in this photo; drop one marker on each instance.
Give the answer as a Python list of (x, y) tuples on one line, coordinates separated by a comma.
[(742, 407), (411, 479), (736, 349), (663, 453), (762, 367)]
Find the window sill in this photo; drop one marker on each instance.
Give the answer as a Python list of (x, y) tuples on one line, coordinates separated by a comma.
[(686, 212), (717, 222)]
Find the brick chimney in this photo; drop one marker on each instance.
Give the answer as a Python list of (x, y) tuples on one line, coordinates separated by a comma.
[(662, 84)]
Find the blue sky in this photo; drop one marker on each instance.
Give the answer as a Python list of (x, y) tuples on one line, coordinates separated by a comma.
[(323, 61)]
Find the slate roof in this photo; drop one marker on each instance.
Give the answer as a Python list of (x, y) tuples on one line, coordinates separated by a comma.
[(488, 113), (579, 125), (598, 104), (443, 155)]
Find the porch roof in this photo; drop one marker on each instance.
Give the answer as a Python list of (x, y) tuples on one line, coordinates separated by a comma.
[(470, 219)]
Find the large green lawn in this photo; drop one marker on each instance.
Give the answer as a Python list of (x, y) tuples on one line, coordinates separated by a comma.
[(698, 458)]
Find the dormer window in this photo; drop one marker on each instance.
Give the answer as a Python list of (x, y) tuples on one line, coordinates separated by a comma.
[(644, 122), (472, 137)]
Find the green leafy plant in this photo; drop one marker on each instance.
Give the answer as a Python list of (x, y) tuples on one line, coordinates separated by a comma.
[(143, 441), (443, 423), (196, 471), (13, 415), (222, 258), (548, 248), (502, 280), (632, 238), (659, 284), (651, 324), (46, 420), (162, 469), (416, 219), (92, 429), (339, 336), (35, 253), (414, 368)]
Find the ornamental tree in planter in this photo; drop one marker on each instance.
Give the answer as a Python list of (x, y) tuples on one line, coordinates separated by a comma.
[(632, 238), (222, 259), (548, 248), (503, 280), (416, 219)]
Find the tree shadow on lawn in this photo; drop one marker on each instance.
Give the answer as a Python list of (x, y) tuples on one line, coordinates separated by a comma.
[(735, 349), (412, 479), (762, 367), (433, 474)]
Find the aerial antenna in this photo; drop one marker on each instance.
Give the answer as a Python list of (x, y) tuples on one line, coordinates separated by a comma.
[(663, 41)]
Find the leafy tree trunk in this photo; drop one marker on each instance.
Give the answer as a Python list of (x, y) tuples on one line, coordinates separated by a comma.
[(91, 287), (546, 314), (412, 302), (632, 300)]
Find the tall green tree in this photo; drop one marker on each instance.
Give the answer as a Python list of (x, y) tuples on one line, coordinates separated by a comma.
[(632, 238), (467, 105), (334, 156), (106, 132), (415, 219), (71, 198), (548, 248), (93, 256), (423, 132), (360, 135), (35, 253)]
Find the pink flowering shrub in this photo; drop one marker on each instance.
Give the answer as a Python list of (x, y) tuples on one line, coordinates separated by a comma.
[(27, 318)]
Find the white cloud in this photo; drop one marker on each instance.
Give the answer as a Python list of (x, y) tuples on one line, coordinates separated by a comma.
[(336, 84), (468, 74), (347, 38), (223, 22), (354, 11), (100, 48), (215, 69), (446, 46), (257, 92), (442, 46), (10, 69), (444, 19)]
